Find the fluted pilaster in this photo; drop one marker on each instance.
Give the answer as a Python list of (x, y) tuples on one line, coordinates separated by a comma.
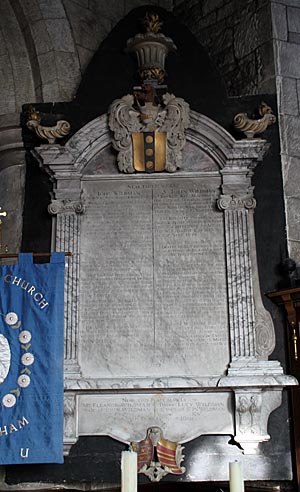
[(67, 237), (239, 274)]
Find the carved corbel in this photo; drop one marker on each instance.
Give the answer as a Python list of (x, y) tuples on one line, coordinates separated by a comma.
[(252, 411), (70, 436)]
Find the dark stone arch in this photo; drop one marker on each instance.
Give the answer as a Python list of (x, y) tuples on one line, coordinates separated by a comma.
[(112, 72)]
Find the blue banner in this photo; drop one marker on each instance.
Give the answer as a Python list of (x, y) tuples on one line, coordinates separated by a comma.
[(31, 361)]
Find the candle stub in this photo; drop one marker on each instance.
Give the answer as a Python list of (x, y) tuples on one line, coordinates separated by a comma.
[(129, 471), (236, 483)]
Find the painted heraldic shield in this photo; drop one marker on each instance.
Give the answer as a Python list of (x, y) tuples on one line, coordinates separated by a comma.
[(31, 361)]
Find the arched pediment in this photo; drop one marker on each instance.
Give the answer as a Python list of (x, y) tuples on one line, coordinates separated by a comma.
[(209, 148)]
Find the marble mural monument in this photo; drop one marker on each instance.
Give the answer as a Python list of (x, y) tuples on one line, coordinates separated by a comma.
[(164, 323)]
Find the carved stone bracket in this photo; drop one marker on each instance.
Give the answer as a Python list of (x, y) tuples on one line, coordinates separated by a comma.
[(70, 435), (252, 411)]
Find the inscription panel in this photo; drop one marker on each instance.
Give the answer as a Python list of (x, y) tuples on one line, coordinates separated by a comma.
[(153, 280), (181, 417)]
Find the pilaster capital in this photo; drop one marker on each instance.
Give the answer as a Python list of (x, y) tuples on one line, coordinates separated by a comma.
[(233, 202), (66, 207)]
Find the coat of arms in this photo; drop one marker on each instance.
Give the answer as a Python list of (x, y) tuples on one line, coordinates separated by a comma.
[(149, 125), (158, 456)]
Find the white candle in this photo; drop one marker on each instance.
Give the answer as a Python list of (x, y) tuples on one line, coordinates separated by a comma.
[(129, 471), (236, 483)]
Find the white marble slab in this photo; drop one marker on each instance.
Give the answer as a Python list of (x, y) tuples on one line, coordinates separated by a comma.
[(181, 417), (153, 279)]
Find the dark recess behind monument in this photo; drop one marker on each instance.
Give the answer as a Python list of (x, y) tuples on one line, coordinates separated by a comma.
[(111, 74)]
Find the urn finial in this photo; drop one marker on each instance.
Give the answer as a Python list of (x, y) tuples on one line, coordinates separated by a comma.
[(151, 50)]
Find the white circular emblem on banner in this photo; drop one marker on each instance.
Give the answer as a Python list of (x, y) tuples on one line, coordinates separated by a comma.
[(11, 318), (24, 336), (9, 400), (11, 362), (27, 359), (23, 381)]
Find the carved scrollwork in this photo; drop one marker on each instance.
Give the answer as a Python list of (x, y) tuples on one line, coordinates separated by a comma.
[(123, 121), (171, 117), (233, 202), (175, 123), (50, 133), (155, 472), (265, 337), (65, 206), (251, 126)]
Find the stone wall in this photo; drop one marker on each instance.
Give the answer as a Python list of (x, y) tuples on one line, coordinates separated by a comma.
[(92, 21), (286, 35), (45, 48), (238, 38), (47, 45)]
